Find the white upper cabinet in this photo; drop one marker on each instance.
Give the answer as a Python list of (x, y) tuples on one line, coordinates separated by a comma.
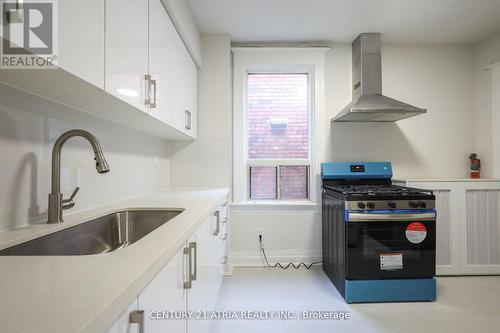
[(163, 49), (127, 50), (185, 91), (173, 71), (132, 52), (81, 39), (191, 94)]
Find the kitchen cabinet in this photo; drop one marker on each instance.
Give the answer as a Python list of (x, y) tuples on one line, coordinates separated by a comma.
[(167, 293), (185, 93), (189, 283), (164, 44), (197, 294), (173, 71), (467, 226), (81, 39), (123, 324), (105, 60), (217, 257), (127, 48)]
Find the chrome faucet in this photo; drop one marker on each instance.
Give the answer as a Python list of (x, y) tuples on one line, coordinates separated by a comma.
[(56, 202)]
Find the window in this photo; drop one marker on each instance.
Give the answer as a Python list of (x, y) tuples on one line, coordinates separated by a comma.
[(279, 126), (278, 135)]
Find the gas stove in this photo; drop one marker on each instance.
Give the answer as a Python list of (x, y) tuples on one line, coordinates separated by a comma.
[(382, 196), (379, 239), (369, 186)]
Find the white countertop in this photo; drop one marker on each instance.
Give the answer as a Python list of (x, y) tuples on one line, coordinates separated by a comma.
[(430, 180), (66, 294)]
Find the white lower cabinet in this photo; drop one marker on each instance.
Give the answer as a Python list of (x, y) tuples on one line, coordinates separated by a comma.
[(467, 225), (188, 284), (217, 257), (166, 293), (197, 300), (123, 324)]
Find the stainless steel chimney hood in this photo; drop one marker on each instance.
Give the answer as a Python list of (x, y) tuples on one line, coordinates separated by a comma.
[(368, 104)]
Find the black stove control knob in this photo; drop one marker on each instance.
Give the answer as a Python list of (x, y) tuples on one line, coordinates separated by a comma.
[(391, 204), (370, 205), (422, 204), (413, 204), (361, 205)]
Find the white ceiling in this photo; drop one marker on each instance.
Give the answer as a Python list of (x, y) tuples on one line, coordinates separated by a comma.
[(410, 21)]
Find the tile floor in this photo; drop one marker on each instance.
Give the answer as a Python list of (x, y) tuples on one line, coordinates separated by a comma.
[(465, 304)]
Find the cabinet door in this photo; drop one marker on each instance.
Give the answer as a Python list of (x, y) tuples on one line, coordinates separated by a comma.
[(162, 60), (122, 324), (447, 225), (166, 293), (481, 228), (186, 87), (192, 95), (197, 297), (215, 269), (81, 39), (127, 50)]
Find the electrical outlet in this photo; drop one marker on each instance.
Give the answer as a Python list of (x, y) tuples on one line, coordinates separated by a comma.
[(260, 233)]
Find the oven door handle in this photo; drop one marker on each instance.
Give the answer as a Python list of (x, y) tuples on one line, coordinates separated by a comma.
[(362, 217)]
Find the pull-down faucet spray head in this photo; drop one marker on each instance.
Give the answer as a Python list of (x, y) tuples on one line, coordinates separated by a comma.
[(100, 163)]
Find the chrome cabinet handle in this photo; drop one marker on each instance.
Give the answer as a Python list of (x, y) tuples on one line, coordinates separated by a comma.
[(188, 120), (360, 217), (147, 88), (187, 252), (193, 273), (137, 317), (153, 103), (217, 223)]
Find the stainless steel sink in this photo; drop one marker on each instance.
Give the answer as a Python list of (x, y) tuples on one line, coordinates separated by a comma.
[(101, 235)]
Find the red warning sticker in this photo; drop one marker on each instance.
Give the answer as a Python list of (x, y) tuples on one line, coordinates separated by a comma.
[(416, 232)]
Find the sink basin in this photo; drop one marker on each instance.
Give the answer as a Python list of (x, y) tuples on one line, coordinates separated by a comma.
[(101, 235)]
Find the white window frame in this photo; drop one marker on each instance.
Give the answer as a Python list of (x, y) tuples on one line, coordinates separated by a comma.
[(278, 60)]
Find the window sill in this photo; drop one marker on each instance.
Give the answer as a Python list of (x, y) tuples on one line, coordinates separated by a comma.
[(275, 206)]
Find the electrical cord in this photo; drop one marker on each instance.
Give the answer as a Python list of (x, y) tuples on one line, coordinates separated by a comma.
[(291, 264)]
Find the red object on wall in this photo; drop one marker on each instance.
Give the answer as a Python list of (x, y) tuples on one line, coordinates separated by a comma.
[(475, 166)]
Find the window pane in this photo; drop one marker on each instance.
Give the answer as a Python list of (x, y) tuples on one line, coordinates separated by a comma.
[(293, 182), (263, 183), (277, 116)]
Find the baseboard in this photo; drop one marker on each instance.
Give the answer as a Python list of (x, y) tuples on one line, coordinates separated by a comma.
[(253, 259)]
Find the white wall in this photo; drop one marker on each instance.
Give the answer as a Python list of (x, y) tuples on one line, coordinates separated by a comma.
[(290, 235), (207, 162), (486, 53), (436, 77), (26, 140)]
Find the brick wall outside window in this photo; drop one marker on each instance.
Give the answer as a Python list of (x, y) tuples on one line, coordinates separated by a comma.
[(280, 99), (278, 128)]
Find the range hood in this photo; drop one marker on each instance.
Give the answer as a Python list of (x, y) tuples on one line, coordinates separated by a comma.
[(368, 104)]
